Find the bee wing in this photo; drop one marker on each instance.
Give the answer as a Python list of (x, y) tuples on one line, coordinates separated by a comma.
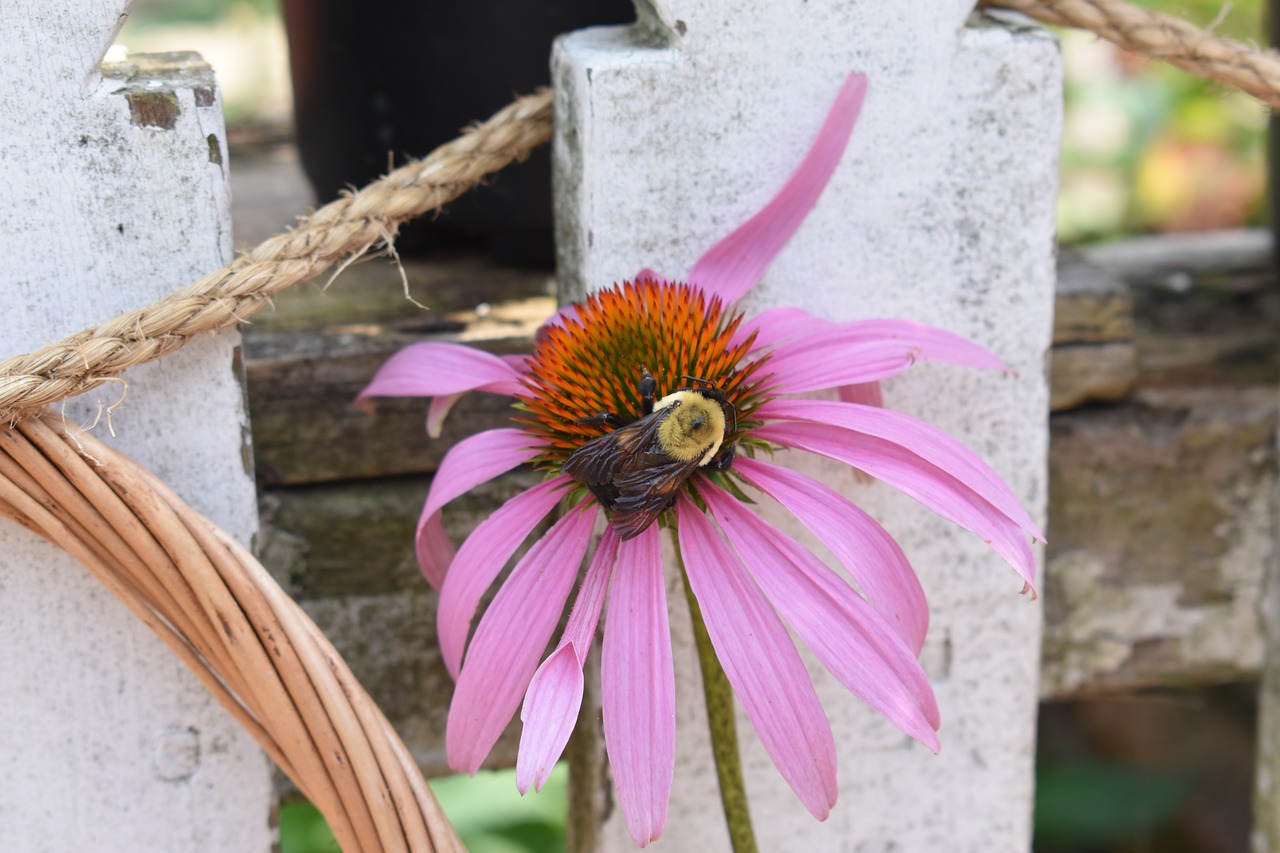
[(599, 461), (643, 493)]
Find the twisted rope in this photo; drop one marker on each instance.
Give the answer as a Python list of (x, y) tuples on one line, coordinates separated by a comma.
[(359, 222), (350, 226), (1166, 37)]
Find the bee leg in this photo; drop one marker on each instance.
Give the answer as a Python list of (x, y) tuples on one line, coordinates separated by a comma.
[(609, 418), (723, 460), (648, 388)]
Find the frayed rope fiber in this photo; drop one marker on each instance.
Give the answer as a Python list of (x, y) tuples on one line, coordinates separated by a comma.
[(356, 223), (350, 226), (1161, 36)]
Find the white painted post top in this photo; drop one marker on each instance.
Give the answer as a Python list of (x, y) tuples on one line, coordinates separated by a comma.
[(671, 133), (115, 195)]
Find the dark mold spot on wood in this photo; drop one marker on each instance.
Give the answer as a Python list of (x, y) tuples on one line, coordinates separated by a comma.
[(215, 149), (153, 109), (204, 96)]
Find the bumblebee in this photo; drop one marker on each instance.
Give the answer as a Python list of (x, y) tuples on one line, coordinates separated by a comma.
[(637, 470)]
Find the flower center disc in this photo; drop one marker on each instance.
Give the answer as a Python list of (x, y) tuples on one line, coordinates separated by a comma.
[(592, 364)]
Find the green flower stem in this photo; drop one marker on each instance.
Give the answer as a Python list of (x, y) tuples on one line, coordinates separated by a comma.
[(724, 731)]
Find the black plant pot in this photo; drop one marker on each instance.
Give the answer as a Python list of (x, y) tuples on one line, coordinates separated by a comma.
[(381, 81)]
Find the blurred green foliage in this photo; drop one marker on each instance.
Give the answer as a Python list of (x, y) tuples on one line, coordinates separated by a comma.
[(165, 13), (1084, 804), (1148, 147), (487, 811)]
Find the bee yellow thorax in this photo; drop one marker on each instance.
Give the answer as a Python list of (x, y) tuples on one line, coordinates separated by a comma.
[(694, 428)]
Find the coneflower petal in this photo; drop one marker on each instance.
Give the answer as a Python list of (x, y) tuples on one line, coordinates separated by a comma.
[(824, 360), (468, 463), (481, 558), (761, 662), (434, 369), (909, 473), (732, 266), (851, 639), (510, 638), (778, 324), (855, 539), (638, 682), (554, 697), (434, 549), (477, 459), (925, 440)]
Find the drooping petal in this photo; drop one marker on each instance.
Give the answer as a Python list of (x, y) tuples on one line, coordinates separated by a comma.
[(510, 639), (851, 639), (934, 344), (778, 324), (638, 682), (823, 359), (477, 459), (434, 369), (922, 439), (440, 406), (481, 558), (855, 539), (864, 394), (434, 549), (732, 266), (554, 697), (438, 409), (761, 662), (914, 476), (472, 461)]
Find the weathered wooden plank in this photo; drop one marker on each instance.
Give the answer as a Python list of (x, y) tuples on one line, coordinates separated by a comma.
[(1094, 355), (1159, 536), (309, 358)]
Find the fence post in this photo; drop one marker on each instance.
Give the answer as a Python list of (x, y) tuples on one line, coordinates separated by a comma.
[(115, 194), (674, 131)]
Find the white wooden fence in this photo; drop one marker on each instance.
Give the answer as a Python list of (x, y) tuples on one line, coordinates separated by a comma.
[(116, 192), (668, 134)]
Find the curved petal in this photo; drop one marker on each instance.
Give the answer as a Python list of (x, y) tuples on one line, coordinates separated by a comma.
[(434, 549), (477, 459), (778, 324), (438, 409), (933, 344), (863, 393), (510, 639), (639, 686), (554, 697), (649, 274), (481, 558), (922, 439), (434, 369), (822, 359), (856, 539), (761, 662), (472, 461), (912, 475), (440, 406), (854, 642), (733, 265)]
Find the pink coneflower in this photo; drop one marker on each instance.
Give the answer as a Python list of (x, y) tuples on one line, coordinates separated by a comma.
[(589, 376)]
